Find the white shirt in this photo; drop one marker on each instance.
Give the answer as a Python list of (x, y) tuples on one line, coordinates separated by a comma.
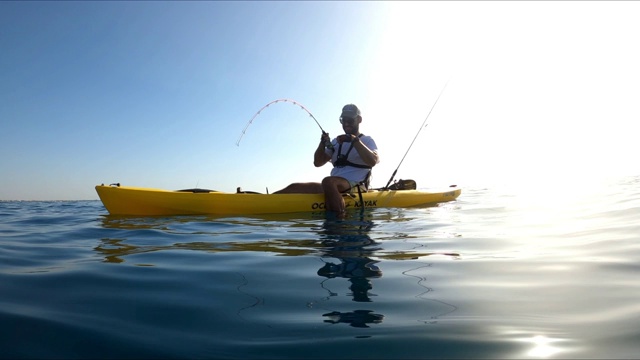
[(351, 173)]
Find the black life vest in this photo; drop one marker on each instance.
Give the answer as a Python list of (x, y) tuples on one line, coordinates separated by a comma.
[(343, 161)]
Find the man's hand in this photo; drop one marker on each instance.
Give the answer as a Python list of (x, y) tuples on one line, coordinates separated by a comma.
[(346, 138), (325, 141)]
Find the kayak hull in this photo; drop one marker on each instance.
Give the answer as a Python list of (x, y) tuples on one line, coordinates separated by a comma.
[(127, 200)]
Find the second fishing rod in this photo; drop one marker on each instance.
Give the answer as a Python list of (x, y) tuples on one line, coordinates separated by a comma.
[(424, 125)]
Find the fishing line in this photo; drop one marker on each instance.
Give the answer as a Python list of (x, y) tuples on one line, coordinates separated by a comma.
[(277, 101), (414, 139)]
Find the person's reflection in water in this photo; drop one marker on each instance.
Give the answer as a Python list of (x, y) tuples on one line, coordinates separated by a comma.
[(358, 271), (357, 318), (349, 242)]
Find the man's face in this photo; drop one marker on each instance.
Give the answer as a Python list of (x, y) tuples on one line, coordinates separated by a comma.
[(350, 125)]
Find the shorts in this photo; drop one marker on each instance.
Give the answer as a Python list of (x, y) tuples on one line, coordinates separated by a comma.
[(354, 187)]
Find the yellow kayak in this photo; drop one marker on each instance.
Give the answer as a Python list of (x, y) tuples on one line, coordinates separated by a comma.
[(127, 200)]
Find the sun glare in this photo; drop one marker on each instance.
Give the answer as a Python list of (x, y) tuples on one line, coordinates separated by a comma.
[(541, 346)]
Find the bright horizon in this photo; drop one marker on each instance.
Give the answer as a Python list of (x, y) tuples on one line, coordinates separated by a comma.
[(156, 94)]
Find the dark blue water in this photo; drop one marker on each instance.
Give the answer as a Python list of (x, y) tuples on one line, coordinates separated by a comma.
[(499, 273)]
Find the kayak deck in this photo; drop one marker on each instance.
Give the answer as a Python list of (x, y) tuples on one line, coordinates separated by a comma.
[(128, 200)]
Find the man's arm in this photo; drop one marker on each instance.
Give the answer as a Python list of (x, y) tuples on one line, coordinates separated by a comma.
[(367, 155), (320, 157)]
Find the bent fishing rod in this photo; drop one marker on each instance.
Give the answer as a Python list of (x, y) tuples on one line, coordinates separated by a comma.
[(386, 187), (327, 144)]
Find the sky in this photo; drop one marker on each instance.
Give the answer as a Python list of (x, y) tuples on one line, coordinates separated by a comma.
[(157, 94)]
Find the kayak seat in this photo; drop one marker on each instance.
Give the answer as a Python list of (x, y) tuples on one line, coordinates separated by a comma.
[(362, 186), (359, 188)]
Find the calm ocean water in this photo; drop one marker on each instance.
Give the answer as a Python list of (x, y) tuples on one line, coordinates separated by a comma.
[(499, 273)]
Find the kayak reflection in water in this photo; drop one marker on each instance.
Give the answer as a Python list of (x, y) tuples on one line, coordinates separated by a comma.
[(352, 154), (349, 242)]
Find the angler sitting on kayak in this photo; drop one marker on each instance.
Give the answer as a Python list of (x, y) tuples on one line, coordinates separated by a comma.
[(350, 168)]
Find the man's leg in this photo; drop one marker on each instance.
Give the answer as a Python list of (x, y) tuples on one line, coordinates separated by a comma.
[(302, 188), (333, 187)]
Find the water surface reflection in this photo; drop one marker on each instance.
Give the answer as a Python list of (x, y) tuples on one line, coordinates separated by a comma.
[(350, 243)]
